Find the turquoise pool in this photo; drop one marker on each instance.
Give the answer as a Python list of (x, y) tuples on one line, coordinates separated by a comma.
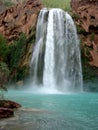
[(53, 111)]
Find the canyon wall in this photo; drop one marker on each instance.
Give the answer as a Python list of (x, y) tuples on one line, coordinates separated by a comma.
[(15, 21), (86, 12)]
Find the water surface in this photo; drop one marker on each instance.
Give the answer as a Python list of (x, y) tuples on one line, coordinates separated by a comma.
[(53, 111)]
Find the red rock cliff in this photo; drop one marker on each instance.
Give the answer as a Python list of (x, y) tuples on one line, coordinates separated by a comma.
[(87, 12), (19, 18)]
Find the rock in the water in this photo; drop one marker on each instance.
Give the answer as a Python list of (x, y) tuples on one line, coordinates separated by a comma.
[(9, 104), (7, 108), (6, 112)]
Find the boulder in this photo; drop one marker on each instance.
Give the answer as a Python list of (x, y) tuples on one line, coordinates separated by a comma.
[(6, 112), (7, 108), (9, 104)]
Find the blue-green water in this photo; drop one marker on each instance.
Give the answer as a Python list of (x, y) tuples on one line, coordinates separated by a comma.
[(54, 112)]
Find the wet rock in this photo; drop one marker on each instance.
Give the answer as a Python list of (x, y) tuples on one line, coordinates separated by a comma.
[(9, 104), (6, 112), (7, 108)]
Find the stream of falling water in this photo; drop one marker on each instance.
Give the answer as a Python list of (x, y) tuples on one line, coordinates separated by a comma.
[(56, 62)]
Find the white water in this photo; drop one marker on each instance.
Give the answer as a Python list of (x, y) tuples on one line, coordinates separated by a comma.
[(56, 62), (48, 77), (39, 44)]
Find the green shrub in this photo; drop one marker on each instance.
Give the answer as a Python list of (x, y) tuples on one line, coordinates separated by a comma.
[(80, 30), (22, 73), (4, 74), (4, 68), (8, 3), (63, 4), (75, 16), (92, 37), (3, 48), (16, 51)]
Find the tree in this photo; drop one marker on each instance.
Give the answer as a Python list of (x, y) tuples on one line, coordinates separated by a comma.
[(4, 73)]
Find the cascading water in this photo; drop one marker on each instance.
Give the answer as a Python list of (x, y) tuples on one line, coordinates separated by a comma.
[(56, 62), (37, 57)]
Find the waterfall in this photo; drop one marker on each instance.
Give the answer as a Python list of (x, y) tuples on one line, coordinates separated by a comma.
[(37, 57), (56, 62)]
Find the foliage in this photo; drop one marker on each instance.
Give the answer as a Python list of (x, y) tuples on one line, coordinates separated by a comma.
[(4, 68), (4, 73), (63, 4), (22, 73), (16, 51), (89, 72), (12, 55), (3, 48), (80, 30), (75, 16), (8, 3), (92, 37)]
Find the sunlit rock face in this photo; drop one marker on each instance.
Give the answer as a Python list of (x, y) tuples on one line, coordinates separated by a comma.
[(87, 10), (19, 18), (87, 13)]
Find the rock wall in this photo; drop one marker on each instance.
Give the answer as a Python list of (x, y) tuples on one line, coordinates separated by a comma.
[(20, 18), (86, 12)]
